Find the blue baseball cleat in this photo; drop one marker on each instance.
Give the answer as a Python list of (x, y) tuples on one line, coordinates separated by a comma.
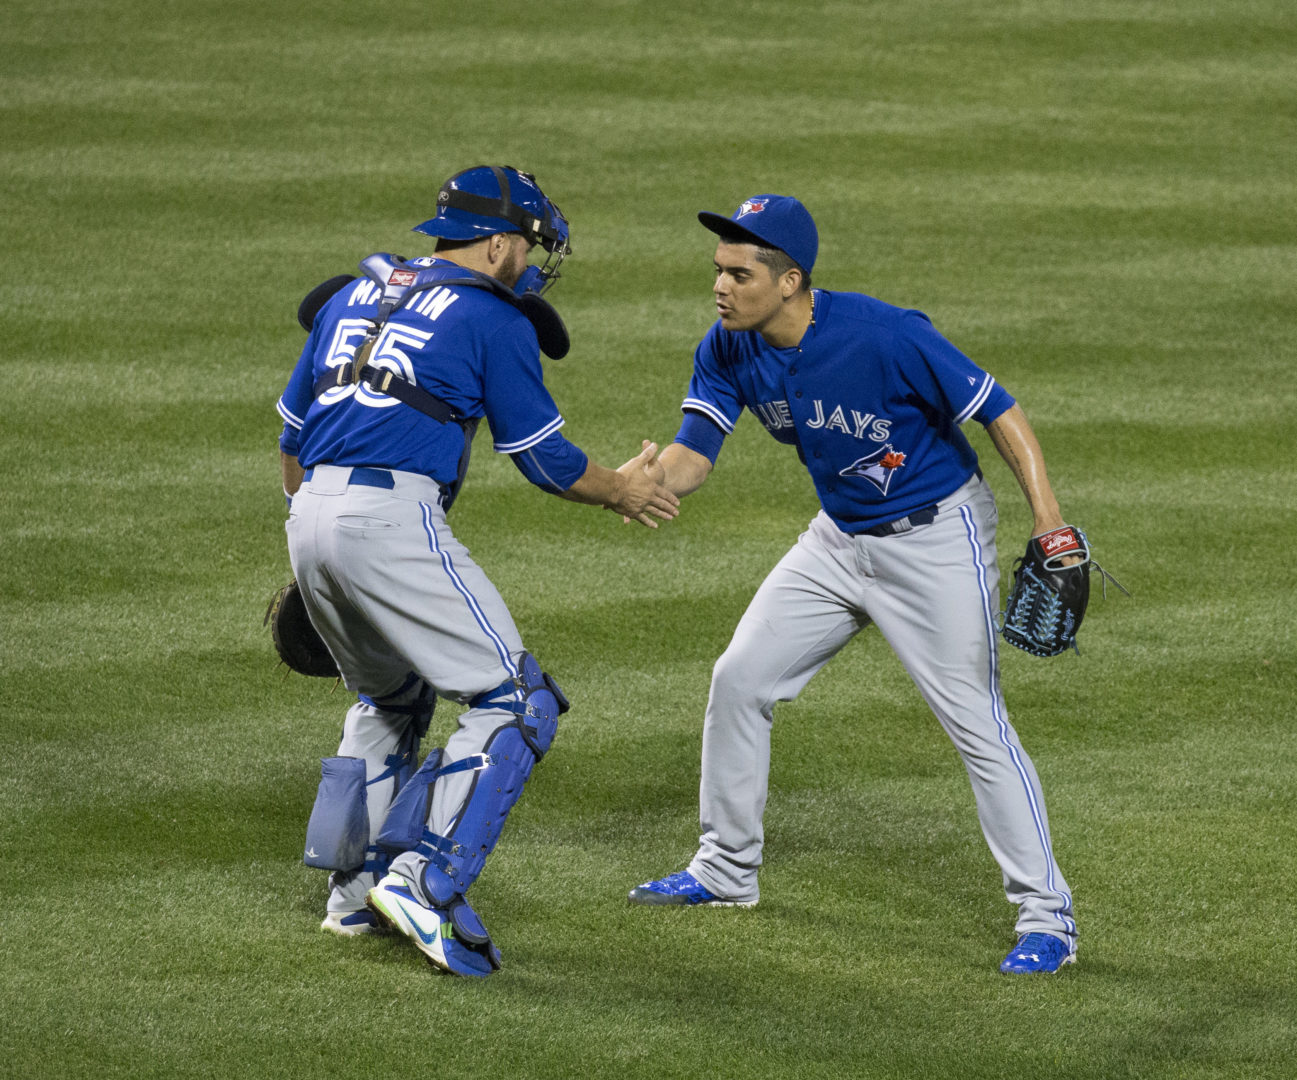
[(683, 889), (1037, 952), (453, 939)]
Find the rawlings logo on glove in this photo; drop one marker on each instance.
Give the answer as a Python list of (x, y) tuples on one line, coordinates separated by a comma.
[(1048, 599)]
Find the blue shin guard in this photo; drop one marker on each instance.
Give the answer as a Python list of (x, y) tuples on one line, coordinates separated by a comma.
[(407, 817), (512, 750)]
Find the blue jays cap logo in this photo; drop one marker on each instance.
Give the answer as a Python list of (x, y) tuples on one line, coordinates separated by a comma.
[(752, 206), (878, 468)]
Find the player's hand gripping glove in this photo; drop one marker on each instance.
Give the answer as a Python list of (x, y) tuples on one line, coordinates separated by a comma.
[(1048, 599), (298, 642)]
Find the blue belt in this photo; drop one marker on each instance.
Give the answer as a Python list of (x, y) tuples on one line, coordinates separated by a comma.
[(365, 477)]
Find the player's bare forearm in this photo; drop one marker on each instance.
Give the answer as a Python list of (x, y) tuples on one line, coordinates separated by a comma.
[(1013, 437), (684, 469), (291, 472), (678, 469), (630, 491)]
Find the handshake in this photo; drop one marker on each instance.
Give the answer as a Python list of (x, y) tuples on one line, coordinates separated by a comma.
[(648, 487), (643, 491)]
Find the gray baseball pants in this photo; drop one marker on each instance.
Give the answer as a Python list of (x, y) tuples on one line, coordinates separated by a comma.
[(933, 593), (394, 594)]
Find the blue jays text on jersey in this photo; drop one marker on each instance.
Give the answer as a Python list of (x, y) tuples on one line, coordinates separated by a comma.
[(440, 342), (872, 399)]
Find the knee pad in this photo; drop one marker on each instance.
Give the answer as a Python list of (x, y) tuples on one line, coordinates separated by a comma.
[(534, 697), (406, 817), (510, 754), (338, 832), (337, 835)]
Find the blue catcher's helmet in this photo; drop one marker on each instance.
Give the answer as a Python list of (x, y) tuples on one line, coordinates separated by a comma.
[(488, 199)]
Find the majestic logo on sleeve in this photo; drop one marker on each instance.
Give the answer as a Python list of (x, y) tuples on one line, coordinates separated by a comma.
[(878, 468), (752, 206)]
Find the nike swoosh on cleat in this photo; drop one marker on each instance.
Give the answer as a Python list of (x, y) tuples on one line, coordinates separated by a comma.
[(427, 939)]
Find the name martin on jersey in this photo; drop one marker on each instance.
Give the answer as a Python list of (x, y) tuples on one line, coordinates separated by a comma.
[(394, 343), (776, 414)]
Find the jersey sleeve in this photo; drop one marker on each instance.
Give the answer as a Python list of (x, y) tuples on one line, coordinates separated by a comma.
[(553, 464), (517, 405), (711, 393), (297, 397), (949, 380), (701, 435)]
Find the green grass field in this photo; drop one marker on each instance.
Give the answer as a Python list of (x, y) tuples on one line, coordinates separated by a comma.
[(1094, 201)]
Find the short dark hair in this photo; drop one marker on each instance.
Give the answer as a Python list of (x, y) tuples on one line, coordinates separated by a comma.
[(776, 260), (456, 245), (779, 263)]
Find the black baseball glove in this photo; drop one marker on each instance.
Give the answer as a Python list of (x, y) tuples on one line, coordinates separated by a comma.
[(298, 642), (1048, 599)]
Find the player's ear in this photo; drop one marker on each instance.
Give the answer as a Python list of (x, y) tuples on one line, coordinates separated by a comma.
[(790, 283)]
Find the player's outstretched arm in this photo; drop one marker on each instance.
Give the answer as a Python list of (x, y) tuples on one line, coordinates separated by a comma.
[(1016, 442), (684, 470), (630, 491), (679, 469)]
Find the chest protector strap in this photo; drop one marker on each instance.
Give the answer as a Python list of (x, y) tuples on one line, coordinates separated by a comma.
[(401, 282)]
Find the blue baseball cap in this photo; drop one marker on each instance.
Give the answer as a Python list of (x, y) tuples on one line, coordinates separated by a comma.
[(778, 221)]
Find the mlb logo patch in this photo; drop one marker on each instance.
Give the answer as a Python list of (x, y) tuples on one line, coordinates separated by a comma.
[(402, 277), (752, 206)]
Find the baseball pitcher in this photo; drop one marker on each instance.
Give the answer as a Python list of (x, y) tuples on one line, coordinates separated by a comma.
[(872, 398)]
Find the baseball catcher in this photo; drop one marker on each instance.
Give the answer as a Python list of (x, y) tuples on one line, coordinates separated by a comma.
[(400, 366)]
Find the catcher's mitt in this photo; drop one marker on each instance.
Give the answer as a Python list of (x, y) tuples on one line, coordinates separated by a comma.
[(298, 642), (1048, 599)]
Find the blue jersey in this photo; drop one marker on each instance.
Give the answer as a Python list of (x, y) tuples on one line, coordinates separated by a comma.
[(872, 399), (465, 345)]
